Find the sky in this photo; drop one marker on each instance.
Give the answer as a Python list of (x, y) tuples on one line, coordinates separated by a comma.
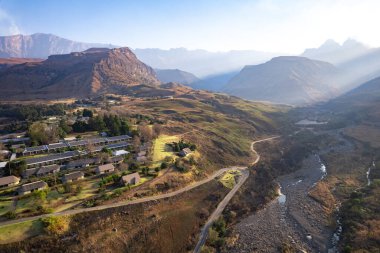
[(281, 26)]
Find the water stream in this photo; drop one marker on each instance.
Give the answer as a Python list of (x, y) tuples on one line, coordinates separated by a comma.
[(368, 173)]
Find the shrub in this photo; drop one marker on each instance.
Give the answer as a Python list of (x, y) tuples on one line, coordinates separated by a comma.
[(10, 215), (56, 225)]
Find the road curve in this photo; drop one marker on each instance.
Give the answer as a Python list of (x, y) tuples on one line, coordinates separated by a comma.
[(218, 211)]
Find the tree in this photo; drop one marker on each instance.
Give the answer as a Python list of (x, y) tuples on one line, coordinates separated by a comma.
[(97, 124), (41, 133), (64, 129), (80, 127), (156, 130), (145, 132), (88, 113)]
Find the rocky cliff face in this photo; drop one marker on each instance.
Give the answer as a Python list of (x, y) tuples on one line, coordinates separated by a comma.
[(286, 79), (83, 74), (41, 45)]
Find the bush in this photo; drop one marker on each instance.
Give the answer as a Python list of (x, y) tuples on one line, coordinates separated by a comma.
[(10, 215), (164, 165), (56, 225)]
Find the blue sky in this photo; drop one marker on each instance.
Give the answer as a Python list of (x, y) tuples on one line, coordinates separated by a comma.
[(287, 26)]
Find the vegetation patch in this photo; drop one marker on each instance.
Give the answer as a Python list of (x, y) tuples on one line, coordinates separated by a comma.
[(228, 179), (20, 231)]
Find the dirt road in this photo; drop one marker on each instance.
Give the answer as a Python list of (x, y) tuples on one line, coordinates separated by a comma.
[(218, 211)]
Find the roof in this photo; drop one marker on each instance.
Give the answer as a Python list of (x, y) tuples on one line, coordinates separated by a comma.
[(186, 151), (29, 172), (8, 180), (106, 167), (120, 152), (82, 162), (118, 138), (3, 164), (15, 140), (127, 178), (52, 158), (97, 140), (35, 149), (141, 159), (73, 175), (77, 143), (57, 145), (116, 159), (32, 186), (118, 145), (48, 169)]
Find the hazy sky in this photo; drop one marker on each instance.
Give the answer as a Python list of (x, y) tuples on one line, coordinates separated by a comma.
[(286, 26)]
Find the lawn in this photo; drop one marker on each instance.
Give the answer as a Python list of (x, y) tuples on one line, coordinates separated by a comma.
[(20, 231), (228, 179), (5, 206), (161, 149)]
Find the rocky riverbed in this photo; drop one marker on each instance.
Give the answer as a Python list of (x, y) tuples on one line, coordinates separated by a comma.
[(293, 218)]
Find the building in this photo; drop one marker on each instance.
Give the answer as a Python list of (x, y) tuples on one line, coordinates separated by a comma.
[(3, 165), (50, 169), (29, 172), (9, 181), (131, 179), (57, 146), (73, 176), (51, 159), (83, 163), (184, 152), (31, 187), (118, 138), (120, 152), (35, 150), (116, 159), (106, 168)]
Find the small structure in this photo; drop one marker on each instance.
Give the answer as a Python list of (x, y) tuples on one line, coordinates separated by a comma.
[(184, 152), (29, 172), (73, 176), (35, 150), (116, 159), (31, 187), (3, 165), (9, 181), (120, 152), (82, 163), (130, 179), (106, 168), (50, 169)]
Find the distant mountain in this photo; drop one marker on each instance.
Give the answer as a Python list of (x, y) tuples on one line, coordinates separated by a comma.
[(214, 82), (92, 72), (176, 76), (335, 53), (201, 62), (41, 45), (286, 79)]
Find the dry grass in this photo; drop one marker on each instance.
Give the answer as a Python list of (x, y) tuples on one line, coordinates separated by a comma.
[(365, 133)]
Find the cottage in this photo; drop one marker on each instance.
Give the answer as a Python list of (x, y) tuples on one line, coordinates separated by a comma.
[(116, 159), (50, 169), (74, 176), (51, 159), (29, 172), (82, 163), (31, 187), (131, 179), (35, 150), (184, 152), (106, 168), (9, 181), (57, 146)]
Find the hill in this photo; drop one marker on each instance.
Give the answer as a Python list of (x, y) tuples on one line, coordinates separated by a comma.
[(286, 79), (41, 45), (175, 75), (92, 72), (8, 62)]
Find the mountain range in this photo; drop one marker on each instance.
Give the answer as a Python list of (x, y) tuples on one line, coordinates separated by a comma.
[(81, 74), (41, 45)]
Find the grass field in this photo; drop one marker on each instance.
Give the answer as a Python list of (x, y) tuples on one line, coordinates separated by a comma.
[(20, 231), (161, 149), (365, 133), (228, 179)]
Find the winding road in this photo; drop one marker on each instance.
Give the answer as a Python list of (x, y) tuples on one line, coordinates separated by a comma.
[(218, 211)]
